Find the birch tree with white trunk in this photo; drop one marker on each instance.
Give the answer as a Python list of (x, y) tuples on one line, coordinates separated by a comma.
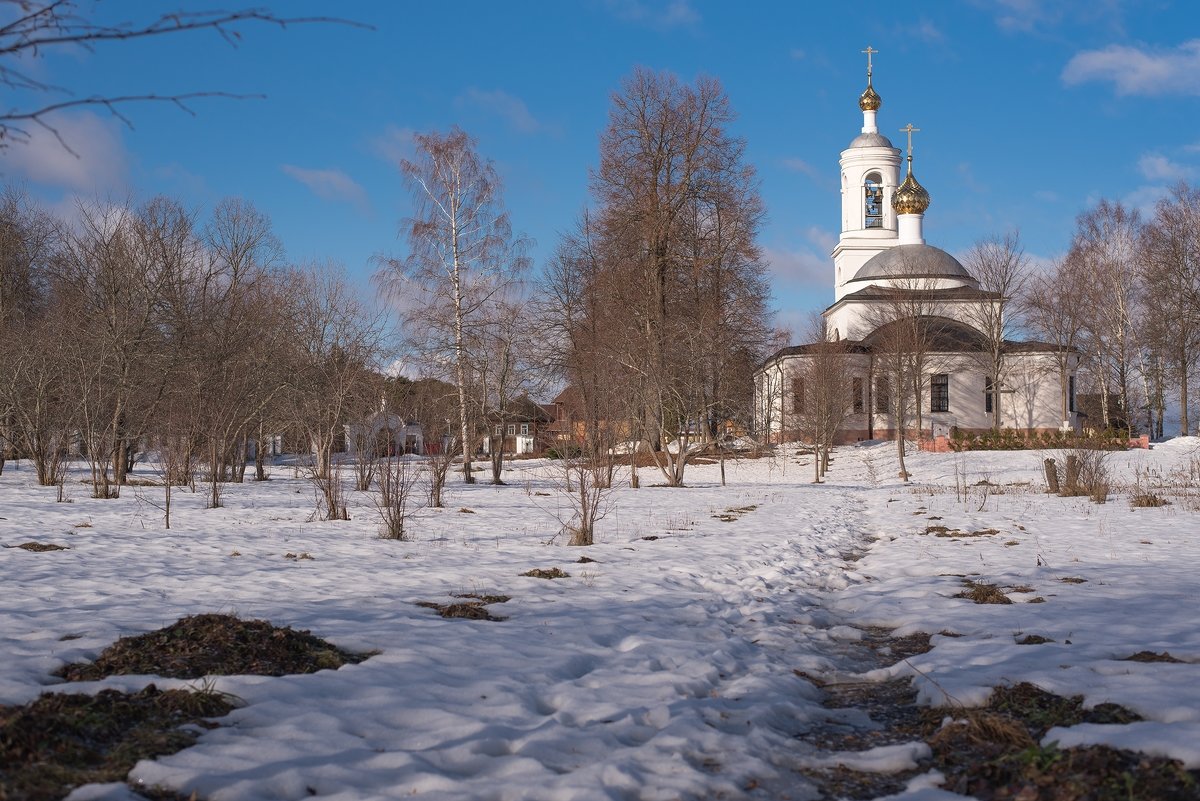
[(462, 254)]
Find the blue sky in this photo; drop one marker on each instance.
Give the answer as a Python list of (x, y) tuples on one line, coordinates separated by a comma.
[(1029, 111)]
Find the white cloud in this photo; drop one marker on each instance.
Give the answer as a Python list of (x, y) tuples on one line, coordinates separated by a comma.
[(1139, 71), (820, 237), (799, 269), (923, 30), (1157, 167), (394, 144), (1022, 15), (330, 185), (509, 107), (967, 177), (655, 13), (1144, 199), (803, 167), (817, 175), (797, 53), (96, 161)]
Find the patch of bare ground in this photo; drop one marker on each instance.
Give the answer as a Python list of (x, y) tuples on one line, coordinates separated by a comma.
[(991, 753), (1151, 656), (547, 573), (470, 610), (214, 645), (1034, 639), (734, 513), (994, 754), (474, 609), (890, 706), (38, 547), (61, 741)]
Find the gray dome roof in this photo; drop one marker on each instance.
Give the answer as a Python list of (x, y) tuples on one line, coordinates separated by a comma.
[(913, 261), (871, 140)]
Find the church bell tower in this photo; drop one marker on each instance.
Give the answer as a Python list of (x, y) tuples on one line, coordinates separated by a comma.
[(870, 169)]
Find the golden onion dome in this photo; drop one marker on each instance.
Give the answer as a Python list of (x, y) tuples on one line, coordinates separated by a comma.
[(911, 197), (870, 100)]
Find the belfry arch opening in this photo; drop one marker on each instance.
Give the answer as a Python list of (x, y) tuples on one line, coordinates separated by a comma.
[(873, 201)]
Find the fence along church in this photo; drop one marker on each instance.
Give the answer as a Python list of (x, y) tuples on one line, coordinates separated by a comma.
[(883, 269)]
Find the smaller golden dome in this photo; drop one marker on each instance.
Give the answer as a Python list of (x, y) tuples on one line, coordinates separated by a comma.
[(870, 100), (911, 197)]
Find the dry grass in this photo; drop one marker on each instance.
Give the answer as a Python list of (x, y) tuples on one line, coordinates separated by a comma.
[(1146, 500), (982, 593), (484, 598), (994, 753)]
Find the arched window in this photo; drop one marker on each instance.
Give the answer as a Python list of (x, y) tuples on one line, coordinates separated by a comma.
[(873, 200)]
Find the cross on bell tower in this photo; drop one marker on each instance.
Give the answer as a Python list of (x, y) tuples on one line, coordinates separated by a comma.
[(870, 51), (910, 130)]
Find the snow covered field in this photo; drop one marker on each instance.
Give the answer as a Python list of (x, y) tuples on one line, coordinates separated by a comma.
[(665, 669)]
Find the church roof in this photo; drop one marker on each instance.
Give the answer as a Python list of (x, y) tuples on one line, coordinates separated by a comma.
[(871, 140), (912, 261), (872, 292), (936, 334)]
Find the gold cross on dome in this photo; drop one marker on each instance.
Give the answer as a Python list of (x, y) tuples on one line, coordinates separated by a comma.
[(870, 51), (910, 130)]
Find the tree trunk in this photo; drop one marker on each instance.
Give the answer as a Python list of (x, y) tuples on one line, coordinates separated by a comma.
[(497, 457), (260, 458), (1183, 400), (1051, 475)]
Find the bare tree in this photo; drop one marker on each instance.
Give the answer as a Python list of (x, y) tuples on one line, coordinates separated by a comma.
[(678, 214), (337, 343), (1055, 304), (114, 274), (509, 371), (462, 254), (33, 28), (1170, 272), (30, 242), (905, 320), (821, 394), (1106, 248), (580, 346), (433, 406), (1000, 267)]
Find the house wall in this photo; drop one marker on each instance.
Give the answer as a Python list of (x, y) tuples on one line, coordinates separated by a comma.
[(1033, 404)]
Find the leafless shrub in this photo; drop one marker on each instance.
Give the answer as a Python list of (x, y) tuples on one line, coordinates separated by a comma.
[(331, 501), (586, 486), (1085, 473), (365, 459), (399, 482)]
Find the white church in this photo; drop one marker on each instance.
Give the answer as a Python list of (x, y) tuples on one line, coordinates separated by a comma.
[(883, 269)]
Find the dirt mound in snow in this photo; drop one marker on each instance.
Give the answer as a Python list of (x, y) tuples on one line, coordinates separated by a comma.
[(222, 645), (64, 740)]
